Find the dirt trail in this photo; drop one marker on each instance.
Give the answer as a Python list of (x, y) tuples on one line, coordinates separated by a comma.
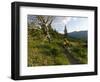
[(71, 58)]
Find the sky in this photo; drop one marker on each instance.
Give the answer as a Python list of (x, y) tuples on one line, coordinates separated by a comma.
[(72, 23)]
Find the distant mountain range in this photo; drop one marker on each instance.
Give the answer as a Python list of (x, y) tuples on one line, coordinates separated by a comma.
[(79, 34)]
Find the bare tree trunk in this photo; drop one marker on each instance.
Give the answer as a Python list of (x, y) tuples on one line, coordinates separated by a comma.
[(46, 25)]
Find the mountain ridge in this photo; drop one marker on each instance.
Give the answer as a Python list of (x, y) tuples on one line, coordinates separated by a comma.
[(79, 34)]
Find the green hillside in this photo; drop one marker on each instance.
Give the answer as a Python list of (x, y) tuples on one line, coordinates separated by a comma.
[(43, 53)]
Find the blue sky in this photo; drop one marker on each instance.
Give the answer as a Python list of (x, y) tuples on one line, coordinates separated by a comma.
[(72, 23)]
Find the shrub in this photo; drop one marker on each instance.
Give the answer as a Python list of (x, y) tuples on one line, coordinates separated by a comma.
[(61, 60), (55, 51)]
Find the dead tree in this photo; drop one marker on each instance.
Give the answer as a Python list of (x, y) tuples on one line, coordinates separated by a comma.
[(45, 23)]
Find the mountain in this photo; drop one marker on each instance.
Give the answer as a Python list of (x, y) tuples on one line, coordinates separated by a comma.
[(79, 34)]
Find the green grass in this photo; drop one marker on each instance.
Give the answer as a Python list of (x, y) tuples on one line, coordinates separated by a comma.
[(43, 53)]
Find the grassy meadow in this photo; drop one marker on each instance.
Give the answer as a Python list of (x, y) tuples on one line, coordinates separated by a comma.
[(43, 53)]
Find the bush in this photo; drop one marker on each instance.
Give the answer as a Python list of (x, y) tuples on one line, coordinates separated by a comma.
[(61, 60), (55, 51)]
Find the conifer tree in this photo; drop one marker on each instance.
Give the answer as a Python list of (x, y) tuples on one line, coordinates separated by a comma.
[(65, 31)]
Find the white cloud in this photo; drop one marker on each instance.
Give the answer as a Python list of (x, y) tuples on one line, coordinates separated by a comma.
[(75, 19), (66, 20)]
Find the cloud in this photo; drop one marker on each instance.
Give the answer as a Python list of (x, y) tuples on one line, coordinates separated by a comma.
[(72, 23), (66, 20), (74, 19)]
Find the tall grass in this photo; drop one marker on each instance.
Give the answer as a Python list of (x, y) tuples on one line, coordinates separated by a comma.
[(43, 53)]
